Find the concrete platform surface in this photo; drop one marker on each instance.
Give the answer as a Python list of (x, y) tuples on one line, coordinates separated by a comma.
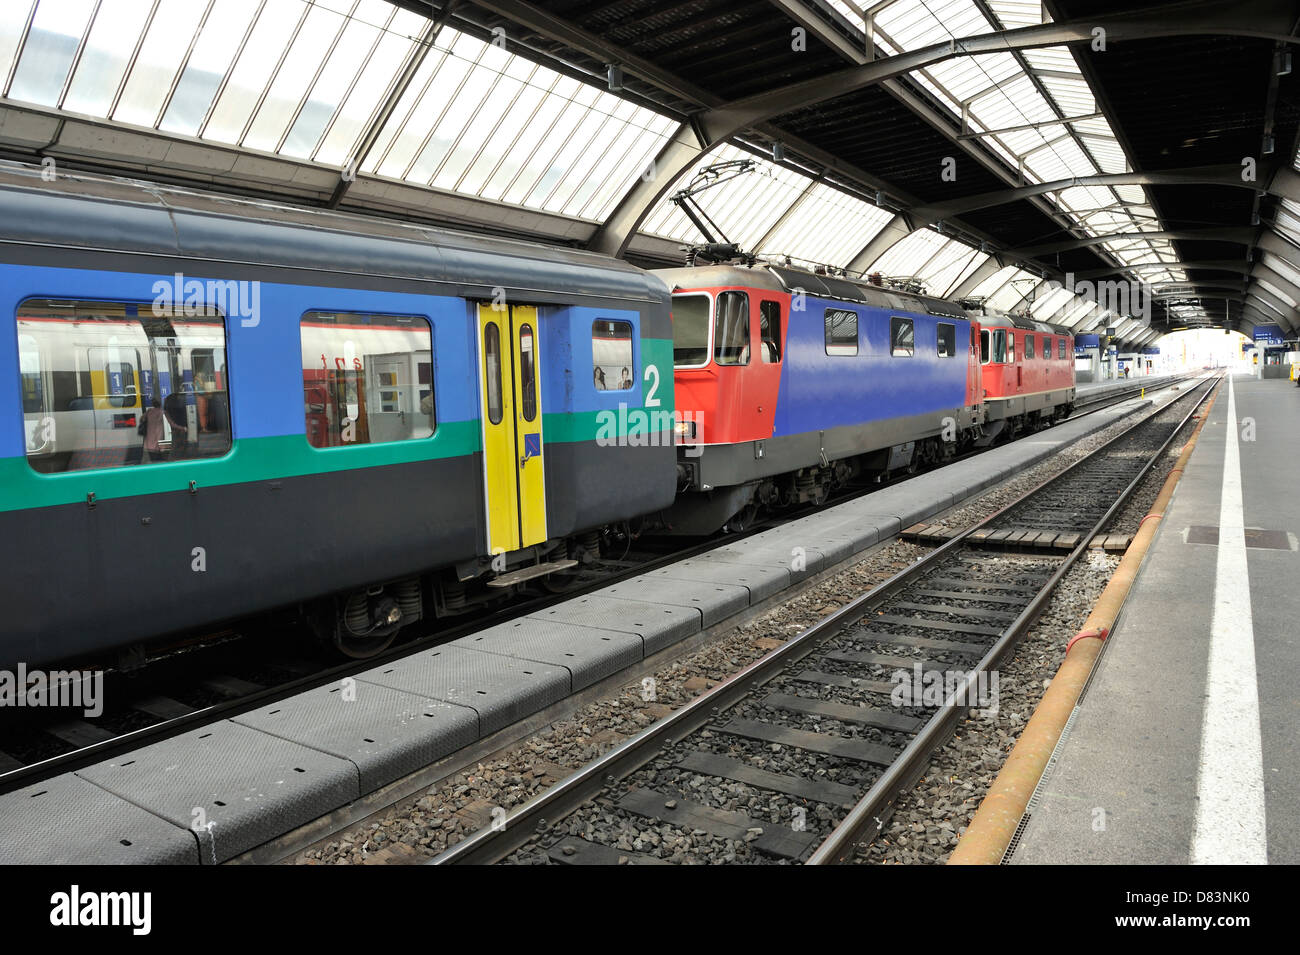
[(1186, 745)]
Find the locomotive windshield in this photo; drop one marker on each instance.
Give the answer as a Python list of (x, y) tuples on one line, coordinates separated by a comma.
[(690, 330)]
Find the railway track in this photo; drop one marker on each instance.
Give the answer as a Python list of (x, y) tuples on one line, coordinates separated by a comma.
[(799, 757), (190, 686)]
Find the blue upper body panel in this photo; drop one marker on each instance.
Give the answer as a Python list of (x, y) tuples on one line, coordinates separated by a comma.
[(821, 391)]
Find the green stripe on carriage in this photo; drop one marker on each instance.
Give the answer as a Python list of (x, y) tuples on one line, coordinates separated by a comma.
[(251, 459), (268, 459)]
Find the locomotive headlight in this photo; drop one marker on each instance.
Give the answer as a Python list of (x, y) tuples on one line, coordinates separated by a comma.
[(684, 429)]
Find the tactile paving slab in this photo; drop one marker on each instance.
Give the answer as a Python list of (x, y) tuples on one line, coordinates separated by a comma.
[(384, 733), (658, 625), (71, 821), (499, 688), (589, 653), (798, 559), (232, 786), (715, 601), (761, 582)]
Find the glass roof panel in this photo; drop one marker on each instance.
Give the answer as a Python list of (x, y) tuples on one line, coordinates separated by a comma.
[(1011, 295), (277, 21), (745, 208), (1018, 13), (994, 282), (355, 46), (107, 52), (371, 89), (214, 50), (13, 23), (157, 62), (536, 161), (1283, 268), (947, 281), (51, 47), (811, 237), (909, 256), (293, 77)]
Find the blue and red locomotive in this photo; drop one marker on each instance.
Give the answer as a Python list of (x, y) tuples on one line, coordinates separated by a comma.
[(791, 383)]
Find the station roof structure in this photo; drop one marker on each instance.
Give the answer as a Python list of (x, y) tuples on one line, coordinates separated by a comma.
[(1098, 163)]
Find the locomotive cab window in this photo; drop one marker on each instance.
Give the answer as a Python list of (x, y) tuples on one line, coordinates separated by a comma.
[(984, 346), (841, 331), (1060, 349), (691, 330), (1029, 347), (769, 331), (611, 355), (731, 329), (901, 337), (366, 379), (946, 340)]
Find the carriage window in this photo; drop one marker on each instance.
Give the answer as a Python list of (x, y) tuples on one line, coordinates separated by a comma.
[(492, 372), (1029, 347), (769, 331), (946, 339), (1060, 349), (527, 373), (900, 337), (841, 331), (611, 355), (368, 379), (110, 384), (690, 331), (1047, 348), (731, 329), (984, 347)]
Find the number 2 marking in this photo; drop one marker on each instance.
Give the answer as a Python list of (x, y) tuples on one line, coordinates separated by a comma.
[(652, 376)]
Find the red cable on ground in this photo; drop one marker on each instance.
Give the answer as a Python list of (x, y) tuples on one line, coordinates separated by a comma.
[(1100, 634)]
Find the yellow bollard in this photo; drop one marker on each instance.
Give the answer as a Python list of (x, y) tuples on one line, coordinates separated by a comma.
[(1143, 392)]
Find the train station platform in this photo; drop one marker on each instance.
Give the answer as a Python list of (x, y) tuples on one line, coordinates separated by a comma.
[(1184, 747), (220, 791)]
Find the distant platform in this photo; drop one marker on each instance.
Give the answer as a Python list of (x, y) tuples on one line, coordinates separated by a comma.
[(1185, 747)]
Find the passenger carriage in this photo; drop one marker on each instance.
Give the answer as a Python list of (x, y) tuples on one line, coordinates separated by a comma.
[(368, 421)]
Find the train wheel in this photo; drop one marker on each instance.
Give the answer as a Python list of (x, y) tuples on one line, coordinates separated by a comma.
[(366, 627), (743, 520), (362, 648)]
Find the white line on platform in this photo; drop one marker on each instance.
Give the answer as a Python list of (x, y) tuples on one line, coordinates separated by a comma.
[(1230, 781)]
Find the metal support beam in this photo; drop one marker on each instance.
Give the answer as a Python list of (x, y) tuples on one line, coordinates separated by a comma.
[(1241, 236), (894, 231), (1279, 282), (1227, 175), (1269, 19), (984, 270), (1241, 267)]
